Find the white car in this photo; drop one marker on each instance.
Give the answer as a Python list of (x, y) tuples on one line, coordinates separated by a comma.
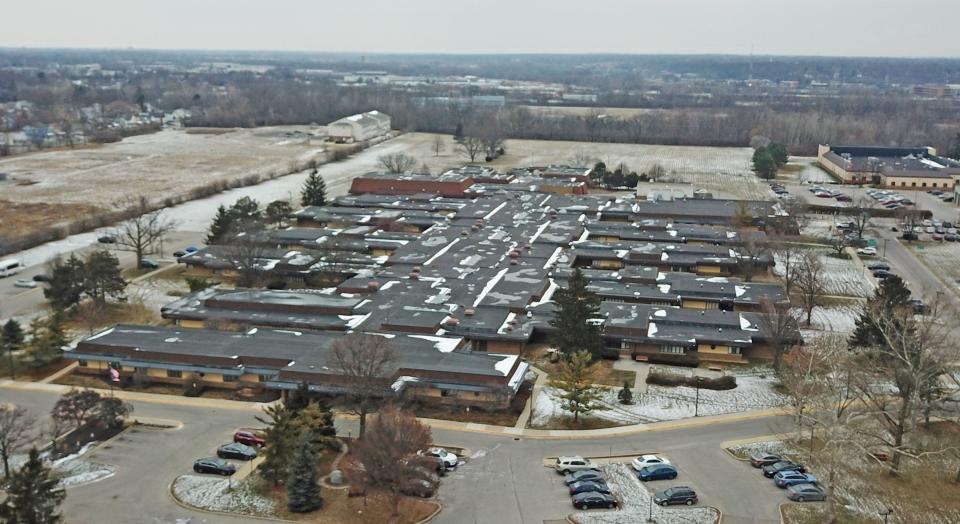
[(648, 460), (25, 282), (567, 465), (869, 251), (449, 459)]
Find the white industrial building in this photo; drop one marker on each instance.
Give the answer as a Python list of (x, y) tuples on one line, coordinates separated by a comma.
[(360, 127)]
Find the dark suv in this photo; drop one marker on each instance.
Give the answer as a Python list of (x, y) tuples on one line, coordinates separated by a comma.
[(676, 495), (657, 472), (783, 465)]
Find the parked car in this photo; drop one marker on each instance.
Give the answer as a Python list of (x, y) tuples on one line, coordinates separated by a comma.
[(657, 472), (214, 465), (148, 264), (585, 486), (805, 492), (567, 465), (236, 450), (937, 237), (250, 437), (648, 460), (759, 460), (878, 265), (909, 236), (591, 475), (107, 239), (25, 282), (843, 198), (594, 499), (882, 274), (676, 495), (868, 251), (783, 465), (785, 479), (179, 253), (449, 459), (41, 277), (918, 306)]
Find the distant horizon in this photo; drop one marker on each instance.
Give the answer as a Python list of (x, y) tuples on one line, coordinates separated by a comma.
[(4, 48), (817, 28)]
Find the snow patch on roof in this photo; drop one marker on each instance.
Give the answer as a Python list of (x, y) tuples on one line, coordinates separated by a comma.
[(651, 329), (739, 290), (354, 320), (664, 288), (746, 325), (490, 285), (505, 365), (441, 344)]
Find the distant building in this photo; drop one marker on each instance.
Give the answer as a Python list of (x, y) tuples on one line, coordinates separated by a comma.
[(899, 167), (359, 127)]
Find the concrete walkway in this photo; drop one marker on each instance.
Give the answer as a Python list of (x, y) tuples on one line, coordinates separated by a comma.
[(642, 369), (199, 402), (541, 381)]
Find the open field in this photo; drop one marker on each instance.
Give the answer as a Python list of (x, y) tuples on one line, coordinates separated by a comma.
[(157, 165), (941, 258)]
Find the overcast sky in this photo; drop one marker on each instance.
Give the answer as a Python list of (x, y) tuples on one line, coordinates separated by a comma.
[(779, 27)]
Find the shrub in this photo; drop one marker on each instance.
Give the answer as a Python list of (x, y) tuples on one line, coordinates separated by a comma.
[(660, 378), (192, 386)]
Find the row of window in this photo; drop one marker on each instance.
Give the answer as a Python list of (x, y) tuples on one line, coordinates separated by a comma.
[(176, 373), (680, 350), (922, 184)]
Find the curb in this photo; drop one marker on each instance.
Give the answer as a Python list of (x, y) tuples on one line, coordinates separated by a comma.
[(433, 515), (160, 423), (726, 445), (188, 507)]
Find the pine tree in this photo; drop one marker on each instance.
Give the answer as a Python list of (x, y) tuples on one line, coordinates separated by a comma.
[(221, 225), (12, 335), (281, 436), (303, 490), (625, 395), (575, 309), (574, 381), (893, 295), (764, 164), (66, 283), (277, 211), (314, 191), (32, 495), (102, 277)]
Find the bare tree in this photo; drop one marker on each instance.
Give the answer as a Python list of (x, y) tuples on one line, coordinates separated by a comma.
[(780, 327), (470, 147), (397, 162), (862, 214), (15, 426), (364, 362), (903, 356), (90, 314), (810, 281), (388, 452), (438, 145), (753, 254), (787, 255), (246, 251), (582, 158), (144, 233)]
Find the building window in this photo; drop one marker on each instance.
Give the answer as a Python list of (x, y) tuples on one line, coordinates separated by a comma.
[(142, 371), (264, 378), (913, 184), (447, 393), (82, 363), (734, 351), (229, 378), (923, 184), (673, 350), (174, 373)]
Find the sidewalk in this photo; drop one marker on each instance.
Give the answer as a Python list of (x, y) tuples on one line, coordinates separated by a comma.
[(198, 402), (642, 369), (541, 381)]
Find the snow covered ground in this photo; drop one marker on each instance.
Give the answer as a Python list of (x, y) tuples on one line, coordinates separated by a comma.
[(845, 278), (635, 504), (220, 494), (753, 392), (838, 318), (766, 446), (72, 470)]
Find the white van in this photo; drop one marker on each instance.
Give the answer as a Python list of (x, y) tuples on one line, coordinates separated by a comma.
[(10, 266)]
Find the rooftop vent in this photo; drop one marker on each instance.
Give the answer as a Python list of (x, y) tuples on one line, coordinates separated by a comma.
[(416, 269), (373, 285), (469, 311), (453, 321), (514, 253), (414, 275)]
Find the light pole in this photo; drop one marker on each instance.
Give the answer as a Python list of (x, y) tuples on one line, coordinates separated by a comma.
[(696, 404), (650, 513)]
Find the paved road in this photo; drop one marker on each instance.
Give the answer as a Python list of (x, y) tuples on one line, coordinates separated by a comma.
[(504, 482)]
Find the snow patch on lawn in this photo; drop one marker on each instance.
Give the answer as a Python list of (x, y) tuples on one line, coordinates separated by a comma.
[(840, 318), (70, 469), (635, 503), (753, 392), (216, 494)]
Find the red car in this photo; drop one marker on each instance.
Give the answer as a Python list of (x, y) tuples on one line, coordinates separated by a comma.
[(250, 437)]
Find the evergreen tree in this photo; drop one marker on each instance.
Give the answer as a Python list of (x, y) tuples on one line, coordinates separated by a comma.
[(317, 419), (599, 172), (303, 490), (891, 298), (66, 283), (221, 225), (246, 211), (314, 191), (47, 337), (764, 165), (299, 398), (574, 381), (575, 311), (778, 152), (625, 395), (12, 335), (32, 495), (102, 276), (458, 132), (281, 436)]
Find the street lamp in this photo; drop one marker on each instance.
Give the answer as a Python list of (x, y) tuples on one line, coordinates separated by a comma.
[(696, 404), (650, 514)]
